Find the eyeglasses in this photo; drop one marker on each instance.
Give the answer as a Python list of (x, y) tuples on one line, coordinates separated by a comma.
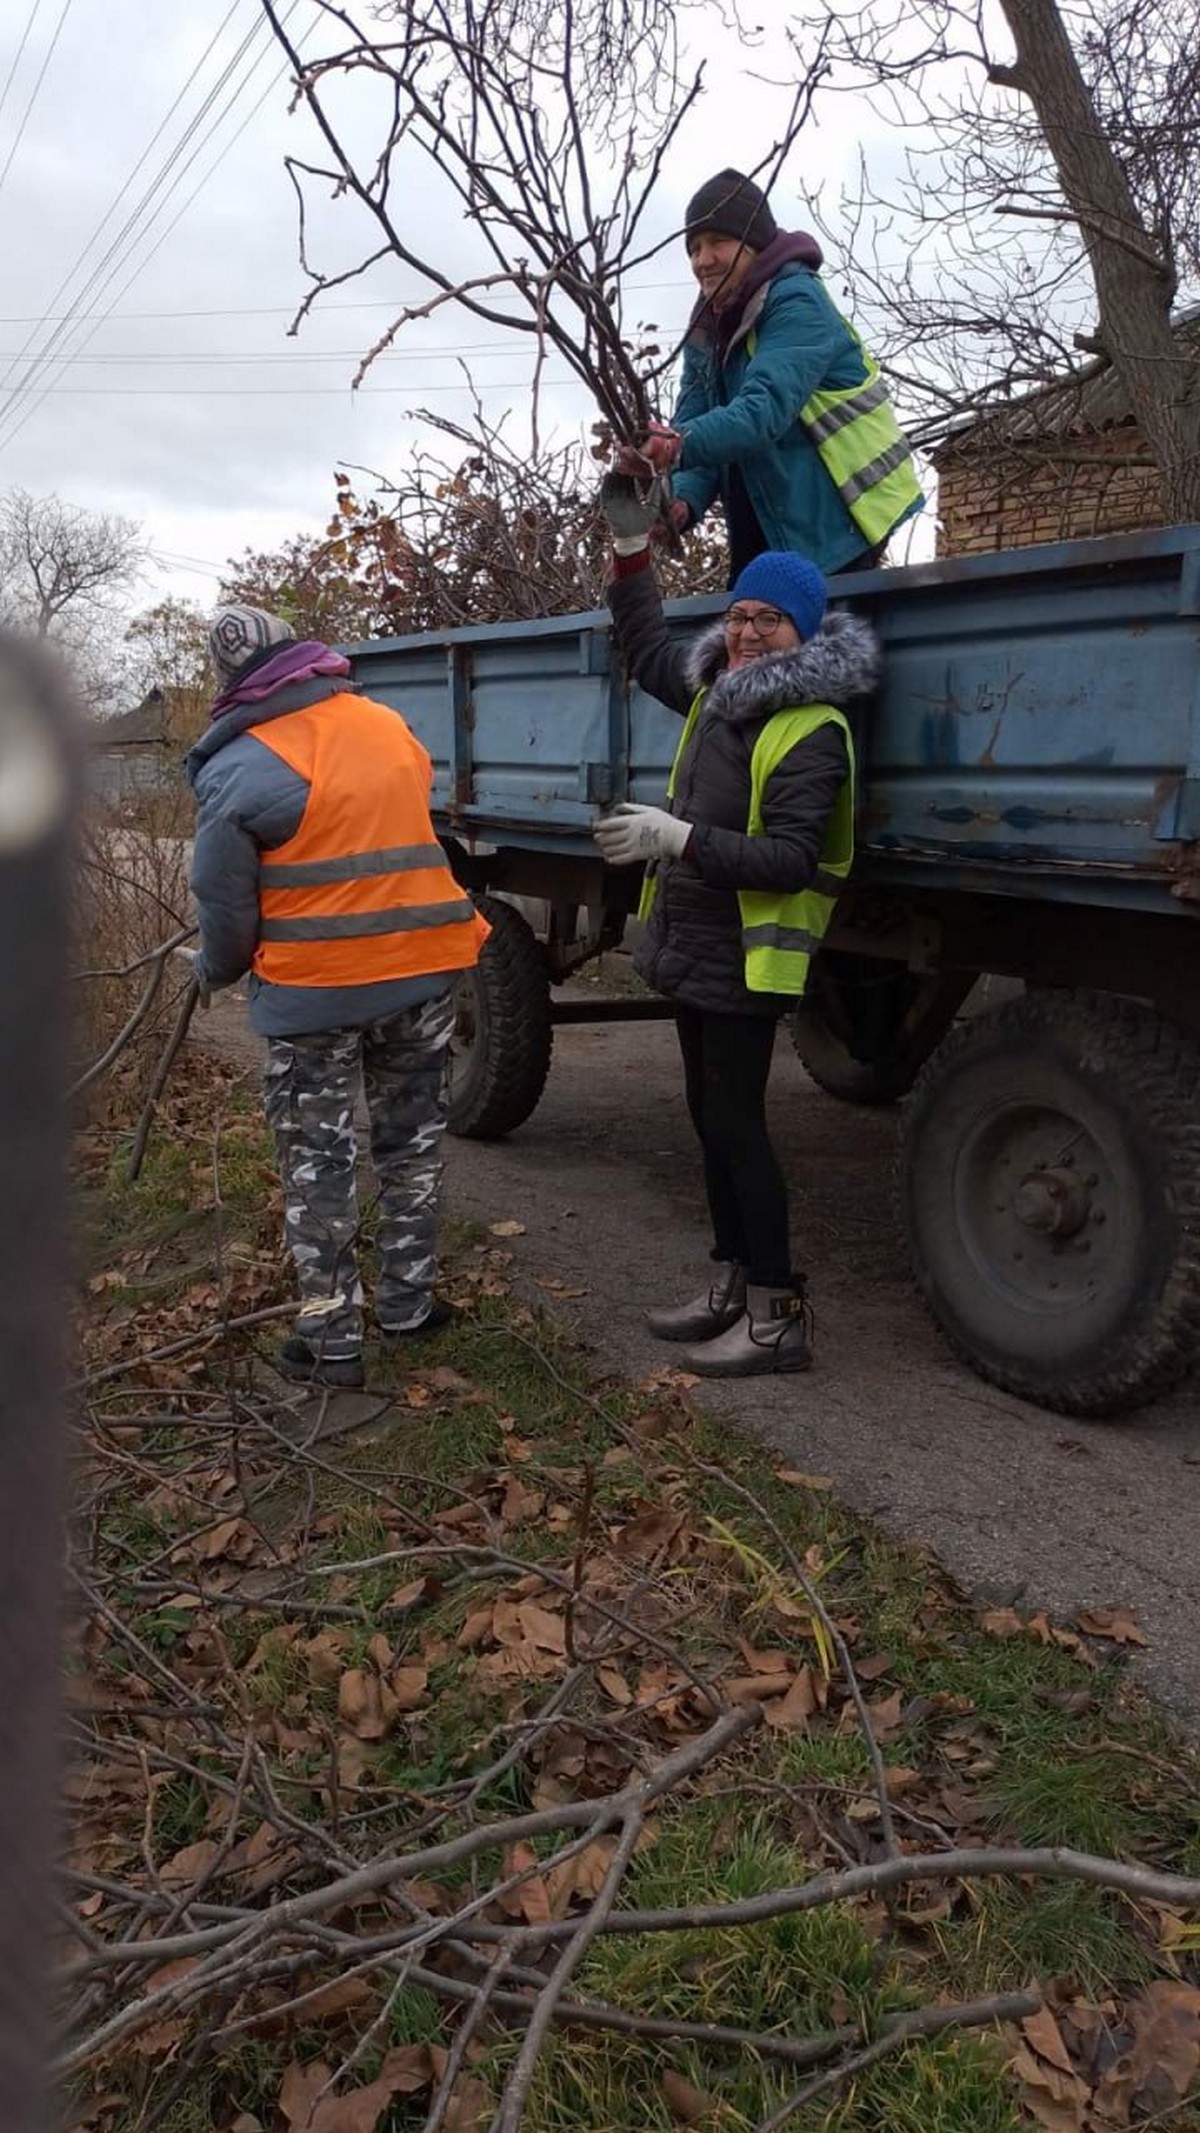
[(764, 621)]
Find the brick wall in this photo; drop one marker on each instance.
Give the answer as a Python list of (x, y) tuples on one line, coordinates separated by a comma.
[(993, 497)]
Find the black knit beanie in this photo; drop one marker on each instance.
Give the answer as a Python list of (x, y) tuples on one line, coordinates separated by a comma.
[(731, 205)]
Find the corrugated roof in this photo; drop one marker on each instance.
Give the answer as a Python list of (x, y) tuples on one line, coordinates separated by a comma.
[(143, 727), (1087, 403)]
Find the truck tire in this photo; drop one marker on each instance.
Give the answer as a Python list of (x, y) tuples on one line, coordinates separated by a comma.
[(1049, 1181), (500, 1051), (854, 1030), (828, 1060)]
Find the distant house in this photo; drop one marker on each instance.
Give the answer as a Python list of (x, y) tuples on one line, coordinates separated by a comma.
[(132, 753), (1065, 461)]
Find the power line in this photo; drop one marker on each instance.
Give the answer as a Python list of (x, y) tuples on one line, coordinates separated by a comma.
[(35, 91), (281, 392), (126, 235), (34, 12), (157, 246), (222, 114), (285, 310), (259, 356), (190, 563), (65, 318)]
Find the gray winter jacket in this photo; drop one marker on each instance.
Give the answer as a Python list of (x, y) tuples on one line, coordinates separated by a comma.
[(250, 800), (692, 951)]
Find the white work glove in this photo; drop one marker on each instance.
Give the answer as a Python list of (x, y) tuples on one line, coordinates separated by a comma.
[(192, 956), (631, 833), (632, 504)]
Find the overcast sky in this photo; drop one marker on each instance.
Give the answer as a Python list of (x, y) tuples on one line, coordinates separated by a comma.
[(149, 272)]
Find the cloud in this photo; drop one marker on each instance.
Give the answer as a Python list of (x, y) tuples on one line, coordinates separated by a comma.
[(153, 416)]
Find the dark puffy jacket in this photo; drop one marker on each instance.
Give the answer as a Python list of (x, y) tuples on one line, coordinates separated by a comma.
[(693, 947)]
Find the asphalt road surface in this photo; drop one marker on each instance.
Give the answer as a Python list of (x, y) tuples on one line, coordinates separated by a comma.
[(1021, 1506)]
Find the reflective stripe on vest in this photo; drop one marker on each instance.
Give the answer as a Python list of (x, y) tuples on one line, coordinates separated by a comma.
[(781, 933), (362, 893), (862, 448)]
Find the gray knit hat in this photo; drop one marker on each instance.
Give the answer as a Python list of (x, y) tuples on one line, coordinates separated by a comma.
[(239, 634)]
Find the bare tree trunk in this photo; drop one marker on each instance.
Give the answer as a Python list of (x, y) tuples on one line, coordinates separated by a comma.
[(1134, 283)]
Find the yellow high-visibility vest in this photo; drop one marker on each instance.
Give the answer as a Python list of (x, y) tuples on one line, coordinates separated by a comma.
[(781, 933), (862, 448)]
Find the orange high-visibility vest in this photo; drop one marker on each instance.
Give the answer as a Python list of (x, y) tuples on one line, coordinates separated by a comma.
[(362, 892)]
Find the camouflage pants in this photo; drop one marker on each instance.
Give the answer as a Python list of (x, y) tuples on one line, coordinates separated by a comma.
[(308, 1094)]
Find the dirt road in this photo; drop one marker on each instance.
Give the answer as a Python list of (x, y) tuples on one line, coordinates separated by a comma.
[(1017, 1503)]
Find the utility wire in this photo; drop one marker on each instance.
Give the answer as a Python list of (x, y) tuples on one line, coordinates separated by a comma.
[(157, 246), (30, 409), (34, 12), (34, 92), (126, 236), (65, 317), (191, 563), (258, 356), (288, 310), (280, 392)]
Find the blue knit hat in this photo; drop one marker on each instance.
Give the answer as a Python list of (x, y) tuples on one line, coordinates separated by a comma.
[(788, 582)]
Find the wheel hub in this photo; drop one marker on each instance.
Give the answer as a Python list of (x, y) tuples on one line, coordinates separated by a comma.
[(1035, 1199), (1052, 1203)]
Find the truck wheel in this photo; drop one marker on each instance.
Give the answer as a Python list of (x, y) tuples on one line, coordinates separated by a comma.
[(828, 1060), (500, 1051), (1050, 1195), (866, 1025)]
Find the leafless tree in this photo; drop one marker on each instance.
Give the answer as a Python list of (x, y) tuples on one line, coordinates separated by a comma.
[(549, 121), (1046, 208), (63, 574), (57, 560)]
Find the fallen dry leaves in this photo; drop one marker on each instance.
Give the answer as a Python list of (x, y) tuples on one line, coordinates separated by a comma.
[(1114, 1623), (300, 1713), (309, 2103), (1087, 2069), (690, 2105)]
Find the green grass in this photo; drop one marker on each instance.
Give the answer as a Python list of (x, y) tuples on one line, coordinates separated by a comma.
[(180, 1810), (186, 1222), (416, 2017), (1041, 1748), (1059, 1929), (246, 2080)]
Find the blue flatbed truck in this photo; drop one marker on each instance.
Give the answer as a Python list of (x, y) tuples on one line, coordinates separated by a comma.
[(1029, 806)]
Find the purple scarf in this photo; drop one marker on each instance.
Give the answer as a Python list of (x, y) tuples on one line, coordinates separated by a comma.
[(788, 249), (292, 662)]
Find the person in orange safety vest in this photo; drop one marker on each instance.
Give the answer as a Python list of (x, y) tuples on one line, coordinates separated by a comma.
[(316, 869)]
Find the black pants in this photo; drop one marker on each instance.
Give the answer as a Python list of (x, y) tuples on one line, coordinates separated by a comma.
[(747, 539), (726, 1061)]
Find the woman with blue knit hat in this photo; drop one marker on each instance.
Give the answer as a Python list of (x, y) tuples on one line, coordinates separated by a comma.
[(743, 867), (782, 412)]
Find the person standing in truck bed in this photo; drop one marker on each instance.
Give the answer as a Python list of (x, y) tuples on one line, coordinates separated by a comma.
[(782, 412)]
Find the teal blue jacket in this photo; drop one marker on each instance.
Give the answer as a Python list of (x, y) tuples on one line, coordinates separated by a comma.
[(746, 411)]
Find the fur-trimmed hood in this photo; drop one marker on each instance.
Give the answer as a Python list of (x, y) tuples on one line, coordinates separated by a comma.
[(837, 665)]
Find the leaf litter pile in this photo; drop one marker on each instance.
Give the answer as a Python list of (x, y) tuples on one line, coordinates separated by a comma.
[(503, 1749)]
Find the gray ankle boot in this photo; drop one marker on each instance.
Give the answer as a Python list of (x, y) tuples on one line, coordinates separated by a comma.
[(718, 1306), (773, 1334)]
